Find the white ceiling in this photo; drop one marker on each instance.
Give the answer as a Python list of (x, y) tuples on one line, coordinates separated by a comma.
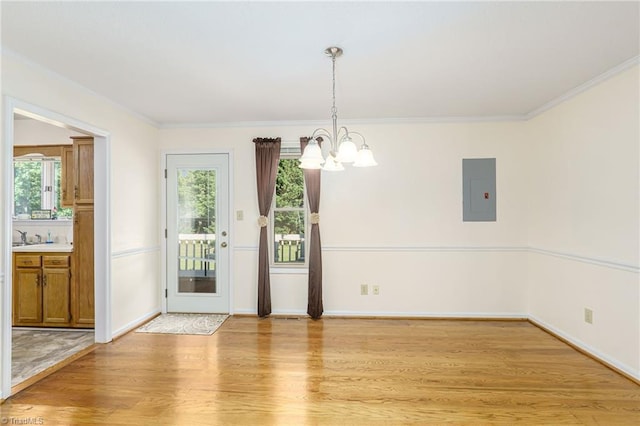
[(180, 63)]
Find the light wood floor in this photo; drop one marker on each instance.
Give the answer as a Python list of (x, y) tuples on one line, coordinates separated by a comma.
[(334, 371)]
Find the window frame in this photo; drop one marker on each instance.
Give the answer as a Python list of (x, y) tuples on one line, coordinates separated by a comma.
[(289, 152)]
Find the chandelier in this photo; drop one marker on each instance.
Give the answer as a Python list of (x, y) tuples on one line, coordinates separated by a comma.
[(342, 148)]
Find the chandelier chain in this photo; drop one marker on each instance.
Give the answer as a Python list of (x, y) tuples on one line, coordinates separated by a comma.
[(334, 110)]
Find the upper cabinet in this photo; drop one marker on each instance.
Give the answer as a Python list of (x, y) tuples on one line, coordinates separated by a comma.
[(83, 169), (67, 181)]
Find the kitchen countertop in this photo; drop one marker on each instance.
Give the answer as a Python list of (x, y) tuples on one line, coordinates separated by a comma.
[(55, 247)]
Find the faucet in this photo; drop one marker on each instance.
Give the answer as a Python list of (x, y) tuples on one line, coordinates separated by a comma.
[(23, 236), (39, 237)]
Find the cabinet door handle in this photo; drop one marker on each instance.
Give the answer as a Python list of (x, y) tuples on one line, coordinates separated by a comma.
[(75, 192), (44, 281), (38, 280)]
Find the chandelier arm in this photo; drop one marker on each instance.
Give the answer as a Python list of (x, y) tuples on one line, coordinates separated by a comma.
[(321, 132), (364, 142), (340, 137)]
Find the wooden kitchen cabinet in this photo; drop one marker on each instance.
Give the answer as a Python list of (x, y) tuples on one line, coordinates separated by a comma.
[(27, 295), (83, 172), (42, 289), (56, 290), (67, 176), (83, 295)]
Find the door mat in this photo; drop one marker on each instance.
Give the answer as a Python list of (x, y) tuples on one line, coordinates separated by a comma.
[(203, 324)]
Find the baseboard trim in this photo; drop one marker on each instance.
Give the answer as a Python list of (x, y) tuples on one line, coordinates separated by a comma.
[(135, 324), (428, 315), (489, 316), (392, 316), (587, 350)]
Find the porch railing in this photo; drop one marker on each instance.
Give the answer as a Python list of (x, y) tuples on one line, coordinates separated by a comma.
[(196, 255), (289, 248)]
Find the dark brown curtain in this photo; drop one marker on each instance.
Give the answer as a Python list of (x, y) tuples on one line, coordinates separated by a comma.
[(267, 157), (312, 181)]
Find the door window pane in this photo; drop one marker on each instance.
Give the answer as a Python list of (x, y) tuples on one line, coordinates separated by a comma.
[(196, 231)]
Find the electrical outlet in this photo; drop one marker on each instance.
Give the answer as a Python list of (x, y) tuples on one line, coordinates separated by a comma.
[(588, 316), (376, 290), (364, 289)]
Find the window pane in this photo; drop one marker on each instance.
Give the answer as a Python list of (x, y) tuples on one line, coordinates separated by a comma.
[(289, 236), (27, 189), (289, 184), (196, 230), (197, 201)]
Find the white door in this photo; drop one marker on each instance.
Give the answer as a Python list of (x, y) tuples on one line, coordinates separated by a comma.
[(198, 233)]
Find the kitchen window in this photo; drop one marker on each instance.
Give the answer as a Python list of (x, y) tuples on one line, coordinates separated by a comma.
[(36, 186)]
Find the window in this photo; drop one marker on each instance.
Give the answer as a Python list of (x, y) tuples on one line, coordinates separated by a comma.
[(36, 184), (289, 215)]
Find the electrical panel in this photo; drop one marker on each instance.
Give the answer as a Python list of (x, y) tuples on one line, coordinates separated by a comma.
[(479, 190)]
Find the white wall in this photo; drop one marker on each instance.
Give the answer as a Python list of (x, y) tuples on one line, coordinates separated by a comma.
[(583, 204), (133, 186), (398, 225)]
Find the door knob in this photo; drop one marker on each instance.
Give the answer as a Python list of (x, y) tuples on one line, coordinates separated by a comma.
[(223, 245), (224, 233)]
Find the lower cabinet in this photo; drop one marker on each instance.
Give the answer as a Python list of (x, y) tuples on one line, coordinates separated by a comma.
[(42, 289)]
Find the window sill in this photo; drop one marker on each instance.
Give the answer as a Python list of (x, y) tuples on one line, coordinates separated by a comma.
[(288, 271)]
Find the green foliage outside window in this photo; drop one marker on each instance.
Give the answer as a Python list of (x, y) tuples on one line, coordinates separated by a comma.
[(289, 194), (197, 201), (28, 188)]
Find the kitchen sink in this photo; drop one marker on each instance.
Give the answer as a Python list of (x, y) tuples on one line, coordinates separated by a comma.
[(24, 244)]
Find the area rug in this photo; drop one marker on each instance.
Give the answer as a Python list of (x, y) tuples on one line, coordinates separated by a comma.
[(204, 324)]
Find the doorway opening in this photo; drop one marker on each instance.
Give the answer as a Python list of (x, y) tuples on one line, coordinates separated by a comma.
[(100, 231)]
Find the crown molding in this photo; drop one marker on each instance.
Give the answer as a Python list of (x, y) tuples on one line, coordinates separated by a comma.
[(349, 121), (629, 63)]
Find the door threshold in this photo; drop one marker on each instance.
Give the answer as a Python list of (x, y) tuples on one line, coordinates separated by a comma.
[(51, 329)]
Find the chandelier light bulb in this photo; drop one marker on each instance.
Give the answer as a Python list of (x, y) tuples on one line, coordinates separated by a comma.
[(365, 158), (347, 151), (332, 165), (312, 154)]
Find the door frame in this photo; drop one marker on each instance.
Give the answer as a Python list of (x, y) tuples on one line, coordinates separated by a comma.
[(102, 221), (163, 219)]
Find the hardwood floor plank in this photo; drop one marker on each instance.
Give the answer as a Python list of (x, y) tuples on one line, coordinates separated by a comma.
[(335, 371)]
